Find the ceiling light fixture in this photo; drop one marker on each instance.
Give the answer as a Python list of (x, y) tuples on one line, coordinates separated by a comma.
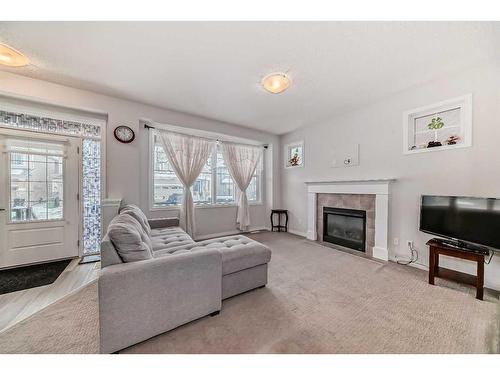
[(276, 83), (10, 57)]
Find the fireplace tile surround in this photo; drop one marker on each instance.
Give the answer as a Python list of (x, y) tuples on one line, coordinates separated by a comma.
[(354, 194), (364, 202)]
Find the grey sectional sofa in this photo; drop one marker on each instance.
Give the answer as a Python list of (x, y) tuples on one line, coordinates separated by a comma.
[(155, 277)]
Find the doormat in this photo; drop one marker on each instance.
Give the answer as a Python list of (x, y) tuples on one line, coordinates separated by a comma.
[(27, 277)]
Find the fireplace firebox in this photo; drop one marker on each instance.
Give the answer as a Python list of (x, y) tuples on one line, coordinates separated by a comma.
[(345, 227)]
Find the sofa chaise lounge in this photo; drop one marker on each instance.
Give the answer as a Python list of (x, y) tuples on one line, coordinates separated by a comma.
[(155, 277)]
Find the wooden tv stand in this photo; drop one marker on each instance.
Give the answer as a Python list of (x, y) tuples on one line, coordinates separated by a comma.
[(437, 248)]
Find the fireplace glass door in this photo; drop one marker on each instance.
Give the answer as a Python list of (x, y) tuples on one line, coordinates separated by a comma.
[(345, 227)]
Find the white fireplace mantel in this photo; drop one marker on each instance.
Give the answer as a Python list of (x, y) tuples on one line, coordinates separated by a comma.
[(377, 187)]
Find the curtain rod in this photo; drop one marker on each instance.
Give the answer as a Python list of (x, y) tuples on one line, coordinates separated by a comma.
[(146, 126)]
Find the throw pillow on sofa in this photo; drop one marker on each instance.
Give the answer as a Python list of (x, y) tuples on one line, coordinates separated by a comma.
[(131, 242), (137, 214)]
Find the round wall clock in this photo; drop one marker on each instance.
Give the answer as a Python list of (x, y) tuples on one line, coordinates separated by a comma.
[(124, 134)]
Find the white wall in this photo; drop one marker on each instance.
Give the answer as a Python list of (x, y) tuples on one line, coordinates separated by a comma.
[(377, 128), (127, 164)]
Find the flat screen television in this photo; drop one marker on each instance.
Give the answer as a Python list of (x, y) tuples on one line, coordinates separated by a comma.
[(467, 219)]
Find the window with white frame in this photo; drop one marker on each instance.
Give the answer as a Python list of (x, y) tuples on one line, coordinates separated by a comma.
[(294, 155), (214, 185)]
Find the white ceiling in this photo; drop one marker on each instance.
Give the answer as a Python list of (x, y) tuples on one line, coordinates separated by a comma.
[(213, 69)]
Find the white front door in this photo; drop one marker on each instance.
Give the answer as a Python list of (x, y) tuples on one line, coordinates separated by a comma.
[(39, 189)]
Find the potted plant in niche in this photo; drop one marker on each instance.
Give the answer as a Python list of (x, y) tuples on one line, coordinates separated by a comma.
[(435, 124)]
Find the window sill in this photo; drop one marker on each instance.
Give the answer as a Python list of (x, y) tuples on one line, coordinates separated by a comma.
[(224, 205), (203, 206), (294, 166)]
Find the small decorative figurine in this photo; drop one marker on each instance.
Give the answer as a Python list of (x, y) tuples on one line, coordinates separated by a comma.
[(434, 144), (452, 140)]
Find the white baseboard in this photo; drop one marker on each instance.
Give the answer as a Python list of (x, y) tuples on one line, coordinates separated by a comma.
[(420, 266), (229, 233), (380, 253), (297, 233), (311, 235)]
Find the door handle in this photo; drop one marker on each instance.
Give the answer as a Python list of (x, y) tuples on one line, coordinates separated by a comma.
[(2, 209)]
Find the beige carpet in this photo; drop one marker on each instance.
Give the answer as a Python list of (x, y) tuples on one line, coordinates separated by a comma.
[(318, 300)]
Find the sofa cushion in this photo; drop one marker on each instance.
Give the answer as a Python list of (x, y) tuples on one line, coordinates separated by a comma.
[(166, 231), (138, 215), (109, 256), (129, 239), (238, 252), (169, 241), (163, 222), (243, 255)]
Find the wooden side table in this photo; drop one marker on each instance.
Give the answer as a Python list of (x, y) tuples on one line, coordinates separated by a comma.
[(437, 248), (279, 226)]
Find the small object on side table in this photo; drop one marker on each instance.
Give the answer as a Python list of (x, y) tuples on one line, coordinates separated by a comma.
[(279, 212), (438, 247)]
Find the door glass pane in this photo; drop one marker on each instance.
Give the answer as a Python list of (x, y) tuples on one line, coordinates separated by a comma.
[(55, 202), (36, 187), (38, 191), (18, 192), (38, 210), (55, 209), (19, 174), (19, 209), (19, 197), (19, 167), (54, 168), (37, 171), (35, 158)]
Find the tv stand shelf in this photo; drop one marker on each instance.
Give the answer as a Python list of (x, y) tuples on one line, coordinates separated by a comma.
[(437, 247)]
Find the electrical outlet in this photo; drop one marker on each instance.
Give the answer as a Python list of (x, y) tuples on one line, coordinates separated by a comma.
[(395, 241), (409, 243)]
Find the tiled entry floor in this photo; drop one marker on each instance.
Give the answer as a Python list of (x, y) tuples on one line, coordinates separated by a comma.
[(17, 306)]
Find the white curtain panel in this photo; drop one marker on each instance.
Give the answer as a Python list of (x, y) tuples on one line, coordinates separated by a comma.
[(241, 160), (187, 155)]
